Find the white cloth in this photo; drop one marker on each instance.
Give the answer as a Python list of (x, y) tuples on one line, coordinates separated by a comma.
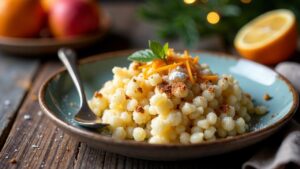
[(279, 155)]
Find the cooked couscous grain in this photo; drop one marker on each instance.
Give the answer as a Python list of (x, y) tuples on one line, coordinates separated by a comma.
[(173, 101)]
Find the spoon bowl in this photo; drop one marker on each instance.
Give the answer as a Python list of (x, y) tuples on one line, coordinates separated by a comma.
[(85, 117)]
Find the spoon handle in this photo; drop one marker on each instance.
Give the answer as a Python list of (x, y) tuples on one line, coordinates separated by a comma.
[(68, 58)]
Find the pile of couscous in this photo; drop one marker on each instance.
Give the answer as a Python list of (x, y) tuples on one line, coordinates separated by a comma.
[(175, 100)]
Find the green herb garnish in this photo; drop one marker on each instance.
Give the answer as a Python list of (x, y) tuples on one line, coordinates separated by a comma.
[(155, 51)]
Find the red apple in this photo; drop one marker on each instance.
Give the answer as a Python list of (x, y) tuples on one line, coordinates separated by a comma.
[(69, 18)]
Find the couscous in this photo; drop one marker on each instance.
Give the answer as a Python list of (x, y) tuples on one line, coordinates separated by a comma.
[(169, 97)]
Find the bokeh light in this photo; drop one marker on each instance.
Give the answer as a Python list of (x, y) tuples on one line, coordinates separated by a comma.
[(189, 1), (213, 17)]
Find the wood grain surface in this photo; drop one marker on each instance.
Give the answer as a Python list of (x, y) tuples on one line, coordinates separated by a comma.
[(35, 142), (15, 79), (91, 158), (30, 140)]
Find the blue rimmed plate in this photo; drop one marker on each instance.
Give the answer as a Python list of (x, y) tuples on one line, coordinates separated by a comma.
[(58, 99)]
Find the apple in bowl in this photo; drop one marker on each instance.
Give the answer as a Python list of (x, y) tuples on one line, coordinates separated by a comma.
[(69, 18)]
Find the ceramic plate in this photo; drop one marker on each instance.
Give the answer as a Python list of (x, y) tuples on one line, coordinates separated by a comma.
[(59, 101), (40, 46)]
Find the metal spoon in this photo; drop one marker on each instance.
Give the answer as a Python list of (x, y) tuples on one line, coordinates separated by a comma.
[(85, 117)]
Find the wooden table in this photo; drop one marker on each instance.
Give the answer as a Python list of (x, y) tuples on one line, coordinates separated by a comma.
[(29, 140)]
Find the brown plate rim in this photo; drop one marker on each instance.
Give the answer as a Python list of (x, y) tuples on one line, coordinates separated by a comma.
[(108, 140)]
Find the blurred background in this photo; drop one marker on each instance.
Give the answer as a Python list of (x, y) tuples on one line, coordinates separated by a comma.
[(31, 32), (92, 26)]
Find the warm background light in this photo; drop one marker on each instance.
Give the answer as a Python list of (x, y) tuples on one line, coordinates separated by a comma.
[(246, 1), (189, 1), (213, 17)]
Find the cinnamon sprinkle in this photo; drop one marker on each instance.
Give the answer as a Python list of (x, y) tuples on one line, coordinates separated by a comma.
[(177, 86), (98, 95), (165, 88), (211, 89), (267, 97), (139, 109), (225, 108), (140, 89)]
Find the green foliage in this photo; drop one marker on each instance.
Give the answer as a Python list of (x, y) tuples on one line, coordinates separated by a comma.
[(176, 19)]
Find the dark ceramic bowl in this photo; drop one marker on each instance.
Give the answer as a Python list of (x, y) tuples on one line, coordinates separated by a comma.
[(58, 99), (43, 46)]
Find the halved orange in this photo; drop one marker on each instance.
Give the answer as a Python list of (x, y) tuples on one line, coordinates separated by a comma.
[(269, 38)]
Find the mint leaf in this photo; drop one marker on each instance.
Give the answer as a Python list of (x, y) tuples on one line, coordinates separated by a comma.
[(165, 50), (142, 56), (157, 49)]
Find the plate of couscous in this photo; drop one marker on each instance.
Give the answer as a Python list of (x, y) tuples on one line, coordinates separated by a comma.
[(161, 104)]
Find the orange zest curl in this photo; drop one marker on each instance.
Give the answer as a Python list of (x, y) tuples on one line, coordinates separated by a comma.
[(173, 61), (145, 66), (196, 59), (158, 63), (210, 77), (167, 67), (188, 67)]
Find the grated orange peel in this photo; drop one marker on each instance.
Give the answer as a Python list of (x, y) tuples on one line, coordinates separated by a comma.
[(172, 61)]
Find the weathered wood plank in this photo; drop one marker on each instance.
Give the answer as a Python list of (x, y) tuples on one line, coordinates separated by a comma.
[(15, 79), (98, 159), (35, 142)]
